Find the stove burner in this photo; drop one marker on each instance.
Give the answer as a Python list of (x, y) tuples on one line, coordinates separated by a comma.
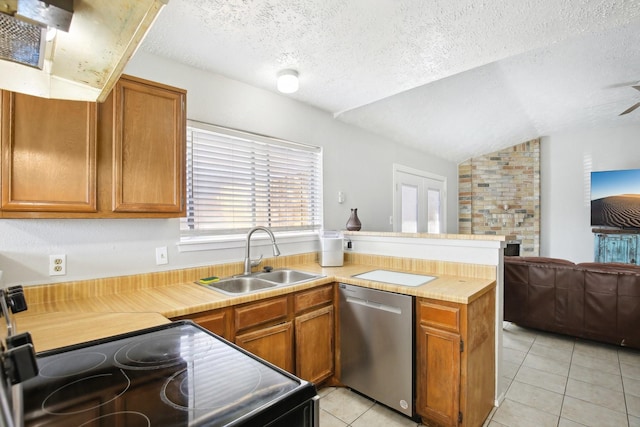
[(168, 350), (183, 391), (72, 364), (124, 418), (73, 398)]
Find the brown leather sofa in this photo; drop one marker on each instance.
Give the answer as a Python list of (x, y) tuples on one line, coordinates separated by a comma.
[(598, 301)]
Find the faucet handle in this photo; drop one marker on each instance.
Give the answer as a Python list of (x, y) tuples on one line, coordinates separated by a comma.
[(256, 262)]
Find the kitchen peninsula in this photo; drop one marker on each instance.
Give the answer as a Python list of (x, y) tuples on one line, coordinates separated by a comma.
[(467, 268)]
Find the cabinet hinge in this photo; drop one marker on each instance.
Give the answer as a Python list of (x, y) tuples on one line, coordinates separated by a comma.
[(461, 346), (459, 417)]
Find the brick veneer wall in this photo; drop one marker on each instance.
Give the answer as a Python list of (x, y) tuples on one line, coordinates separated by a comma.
[(509, 178)]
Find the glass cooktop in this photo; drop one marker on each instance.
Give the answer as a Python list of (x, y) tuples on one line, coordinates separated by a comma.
[(173, 375)]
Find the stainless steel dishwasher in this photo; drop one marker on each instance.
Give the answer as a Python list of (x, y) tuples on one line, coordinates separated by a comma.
[(377, 345)]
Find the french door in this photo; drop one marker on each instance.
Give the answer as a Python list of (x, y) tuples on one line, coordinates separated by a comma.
[(419, 201)]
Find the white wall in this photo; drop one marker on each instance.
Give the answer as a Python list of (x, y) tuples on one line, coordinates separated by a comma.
[(567, 161), (355, 162)]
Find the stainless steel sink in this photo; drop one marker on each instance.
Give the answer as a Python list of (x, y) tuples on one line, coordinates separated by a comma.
[(241, 285), (287, 277)]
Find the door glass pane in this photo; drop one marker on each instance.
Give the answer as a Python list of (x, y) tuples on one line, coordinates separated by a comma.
[(433, 211), (409, 209)]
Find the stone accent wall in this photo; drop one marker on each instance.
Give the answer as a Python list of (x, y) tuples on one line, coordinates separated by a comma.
[(499, 193)]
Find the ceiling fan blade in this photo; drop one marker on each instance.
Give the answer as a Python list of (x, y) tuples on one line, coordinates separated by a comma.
[(630, 109), (636, 87)]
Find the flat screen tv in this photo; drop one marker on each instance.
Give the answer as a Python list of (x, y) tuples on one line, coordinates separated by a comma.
[(615, 198)]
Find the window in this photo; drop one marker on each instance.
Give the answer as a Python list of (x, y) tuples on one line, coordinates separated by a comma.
[(237, 180)]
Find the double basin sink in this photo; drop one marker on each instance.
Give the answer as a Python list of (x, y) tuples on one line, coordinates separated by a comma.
[(255, 282)]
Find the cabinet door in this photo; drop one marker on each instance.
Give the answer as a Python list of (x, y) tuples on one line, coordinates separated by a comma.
[(273, 344), (48, 154), (438, 375), (314, 345), (149, 147), (616, 248)]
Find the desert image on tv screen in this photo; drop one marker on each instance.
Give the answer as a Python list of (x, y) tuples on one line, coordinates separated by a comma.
[(615, 198)]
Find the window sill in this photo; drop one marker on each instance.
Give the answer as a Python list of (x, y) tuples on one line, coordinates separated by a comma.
[(208, 243)]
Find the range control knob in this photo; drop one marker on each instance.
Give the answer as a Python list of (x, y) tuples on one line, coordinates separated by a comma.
[(20, 363)]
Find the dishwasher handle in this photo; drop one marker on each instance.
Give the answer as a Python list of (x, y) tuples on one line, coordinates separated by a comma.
[(374, 305)]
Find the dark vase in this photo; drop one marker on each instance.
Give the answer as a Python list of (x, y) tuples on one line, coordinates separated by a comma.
[(354, 223)]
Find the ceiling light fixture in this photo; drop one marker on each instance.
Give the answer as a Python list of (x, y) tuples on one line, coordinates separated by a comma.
[(288, 81)]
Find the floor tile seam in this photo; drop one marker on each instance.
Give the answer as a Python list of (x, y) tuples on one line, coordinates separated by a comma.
[(533, 407), (601, 370), (617, 361), (600, 406), (566, 377), (551, 360), (570, 358), (631, 366), (532, 385), (590, 403), (629, 393), (597, 385), (516, 349), (336, 417), (551, 346), (591, 367), (362, 414), (522, 340), (625, 401)]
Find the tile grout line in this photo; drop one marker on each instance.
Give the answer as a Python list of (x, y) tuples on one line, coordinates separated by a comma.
[(624, 392), (564, 395)]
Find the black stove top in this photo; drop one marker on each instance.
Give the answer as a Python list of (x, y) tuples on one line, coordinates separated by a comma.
[(173, 375)]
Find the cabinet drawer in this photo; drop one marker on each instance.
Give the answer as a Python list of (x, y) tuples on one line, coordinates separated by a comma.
[(313, 298), (439, 316), (215, 321), (261, 312)]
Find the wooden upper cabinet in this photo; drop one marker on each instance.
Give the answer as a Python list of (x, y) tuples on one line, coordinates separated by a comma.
[(149, 144), (48, 154)]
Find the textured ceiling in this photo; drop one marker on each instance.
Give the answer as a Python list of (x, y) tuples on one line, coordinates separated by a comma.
[(455, 78)]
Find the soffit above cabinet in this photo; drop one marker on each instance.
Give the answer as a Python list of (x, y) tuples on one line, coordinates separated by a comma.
[(84, 63)]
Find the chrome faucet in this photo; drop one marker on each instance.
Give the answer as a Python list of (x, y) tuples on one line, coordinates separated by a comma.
[(248, 262)]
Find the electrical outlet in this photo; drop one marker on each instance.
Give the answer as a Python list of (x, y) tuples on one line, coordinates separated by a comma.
[(57, 265), (161, 255)]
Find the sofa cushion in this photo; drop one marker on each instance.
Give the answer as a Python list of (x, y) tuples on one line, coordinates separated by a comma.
[(538, 260), (615, 267)]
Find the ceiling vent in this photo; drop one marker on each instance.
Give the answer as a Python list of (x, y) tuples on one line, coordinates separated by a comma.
[(23, 28), (94, 40)]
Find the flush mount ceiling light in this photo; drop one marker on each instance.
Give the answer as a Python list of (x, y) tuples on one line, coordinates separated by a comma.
[(288, 81)]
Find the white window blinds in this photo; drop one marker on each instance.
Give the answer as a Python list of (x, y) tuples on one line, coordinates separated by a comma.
[(238, 180)]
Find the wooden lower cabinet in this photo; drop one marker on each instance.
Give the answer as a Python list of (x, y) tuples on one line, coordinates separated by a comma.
[(455, 361), (314, 345), (216, 321), (273, 344), (295, 331), (439, 371)]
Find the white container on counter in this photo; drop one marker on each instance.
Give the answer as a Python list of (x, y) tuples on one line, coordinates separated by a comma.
[(331, 248)]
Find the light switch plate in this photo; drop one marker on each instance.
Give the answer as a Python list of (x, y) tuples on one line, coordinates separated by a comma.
[(161, 255)]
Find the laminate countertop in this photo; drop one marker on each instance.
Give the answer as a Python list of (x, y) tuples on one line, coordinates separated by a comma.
[(70, 321)]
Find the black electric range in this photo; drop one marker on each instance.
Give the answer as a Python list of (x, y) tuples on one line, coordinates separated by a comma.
[(177, 374)]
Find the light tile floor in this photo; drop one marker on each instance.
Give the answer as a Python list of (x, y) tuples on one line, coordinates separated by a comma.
[(551, 380)]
